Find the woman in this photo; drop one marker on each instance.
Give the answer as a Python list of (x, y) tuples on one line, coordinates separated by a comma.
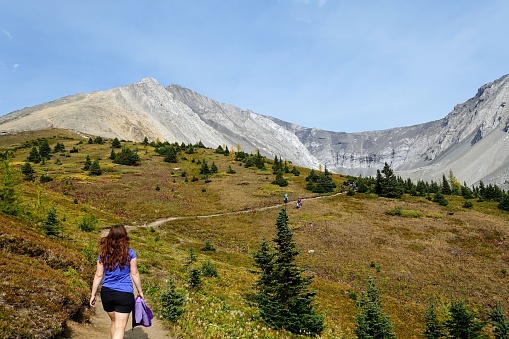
[(118, 265)]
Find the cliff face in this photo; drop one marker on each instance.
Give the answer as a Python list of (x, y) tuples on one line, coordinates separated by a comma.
[(472, 140), (474, 132)]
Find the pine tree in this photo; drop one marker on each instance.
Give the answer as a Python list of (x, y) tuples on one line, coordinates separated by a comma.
[(44, 149), (170, 155), (284, 298), (87, 164), (116, 143), (213, 168), (95, 168), (439, 198), (51, 225), (27, 171), (387, 185), (504, 203), (434, 329), (371, 323), (499, 322), (172, 303), (127, 157), (446, 188), (34, 156), (112, 154), (59, 147), (463, 323), (204, 168)]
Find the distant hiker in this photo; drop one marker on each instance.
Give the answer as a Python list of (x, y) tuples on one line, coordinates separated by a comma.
[(118, 265), (299, 203), (286, 198)]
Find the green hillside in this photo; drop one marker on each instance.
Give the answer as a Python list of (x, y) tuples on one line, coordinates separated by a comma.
[(172, 211)]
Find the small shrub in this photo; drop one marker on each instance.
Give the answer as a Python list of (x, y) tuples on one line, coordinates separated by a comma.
[(172, 303), (411, 214), (468, 204), (208, 269), (192, 255), (195, 278), (44, 178), (208, 247), (88, 223), (399, 211)]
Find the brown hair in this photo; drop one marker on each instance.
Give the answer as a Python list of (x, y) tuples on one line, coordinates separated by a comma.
[(115, 248)]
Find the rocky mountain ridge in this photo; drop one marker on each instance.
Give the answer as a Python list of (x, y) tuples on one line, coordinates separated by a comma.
[(471, 140)]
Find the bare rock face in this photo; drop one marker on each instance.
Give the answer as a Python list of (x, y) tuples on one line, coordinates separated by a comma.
[(472, 140)]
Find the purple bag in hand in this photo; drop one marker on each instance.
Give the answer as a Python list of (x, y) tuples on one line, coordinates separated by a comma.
[(142, 314)]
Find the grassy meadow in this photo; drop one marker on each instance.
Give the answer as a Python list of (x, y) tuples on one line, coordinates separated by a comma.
[(431, 251)]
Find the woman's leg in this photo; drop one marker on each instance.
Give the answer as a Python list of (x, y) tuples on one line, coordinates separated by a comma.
[(119, 322)]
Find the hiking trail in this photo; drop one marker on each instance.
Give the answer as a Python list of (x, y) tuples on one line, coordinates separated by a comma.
[(99, 325)]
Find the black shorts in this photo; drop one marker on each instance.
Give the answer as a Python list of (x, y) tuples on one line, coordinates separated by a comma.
[(115, 301)]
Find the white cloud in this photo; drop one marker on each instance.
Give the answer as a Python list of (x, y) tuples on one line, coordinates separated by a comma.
[(15, 66), (7, 33)]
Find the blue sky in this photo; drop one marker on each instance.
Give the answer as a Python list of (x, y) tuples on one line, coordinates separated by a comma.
[(345, 66)]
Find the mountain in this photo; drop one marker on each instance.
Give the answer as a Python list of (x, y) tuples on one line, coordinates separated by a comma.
[(471, 140)]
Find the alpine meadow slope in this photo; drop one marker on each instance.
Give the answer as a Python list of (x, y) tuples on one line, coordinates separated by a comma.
[(472, 140)]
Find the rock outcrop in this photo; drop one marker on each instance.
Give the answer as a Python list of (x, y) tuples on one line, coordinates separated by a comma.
[(472, 140)]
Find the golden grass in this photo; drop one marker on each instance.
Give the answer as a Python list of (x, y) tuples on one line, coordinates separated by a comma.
[(445, 252)]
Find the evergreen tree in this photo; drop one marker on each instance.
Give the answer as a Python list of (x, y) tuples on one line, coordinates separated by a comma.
[(112, 154), (219, 150), (116, 143), (463, 323), (499, 322), (89, 223), (295, 171), (87, 164), (34, 156), (387, 185), (98, 140), (44, 149), (466, 192), (434, 329), (504, 203), (226, 151), (439, 198), (127, 157), (284, 298), (59, 147), (230, 170), (27, 171), (170, 155), (8, 200), (280, 180), (204, 168), (95, 168), (145, 141), (445, 188), (51, 225), (371, 323), (213, 168), (90, 141), (172, 303)]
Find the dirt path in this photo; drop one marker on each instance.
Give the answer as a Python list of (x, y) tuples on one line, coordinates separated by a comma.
[(100, 322), (99, 328)]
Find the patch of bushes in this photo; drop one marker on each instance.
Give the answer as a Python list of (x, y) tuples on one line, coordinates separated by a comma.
[(399, 211)]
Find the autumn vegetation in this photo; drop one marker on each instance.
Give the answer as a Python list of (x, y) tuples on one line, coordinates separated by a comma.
[(421, 255)]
